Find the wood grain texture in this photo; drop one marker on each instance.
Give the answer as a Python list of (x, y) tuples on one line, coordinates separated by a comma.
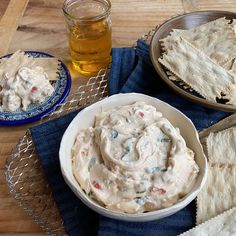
[(42, 28), (9, 23), (225, 5), (130, 20), (190, 5), (3, 7)]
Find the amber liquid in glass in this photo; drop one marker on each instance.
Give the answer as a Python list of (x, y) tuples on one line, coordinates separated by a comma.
[(90, 46)]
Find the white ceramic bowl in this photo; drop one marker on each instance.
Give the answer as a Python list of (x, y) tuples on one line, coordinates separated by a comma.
[(86, 118)]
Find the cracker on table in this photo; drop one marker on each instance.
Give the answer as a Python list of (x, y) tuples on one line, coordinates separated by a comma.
[(221, 146), (218, 194), (197, 70), (221, 225), (223, 124)]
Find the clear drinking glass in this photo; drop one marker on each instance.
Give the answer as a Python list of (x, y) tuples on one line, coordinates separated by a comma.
[(89, 33)]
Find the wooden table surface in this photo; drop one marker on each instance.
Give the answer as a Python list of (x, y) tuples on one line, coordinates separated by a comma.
[(39, 25)]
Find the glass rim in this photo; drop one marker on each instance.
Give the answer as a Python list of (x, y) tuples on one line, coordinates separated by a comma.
[(93, 18)]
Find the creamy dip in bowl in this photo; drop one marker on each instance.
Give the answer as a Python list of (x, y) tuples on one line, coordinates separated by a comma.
[(125, 158)]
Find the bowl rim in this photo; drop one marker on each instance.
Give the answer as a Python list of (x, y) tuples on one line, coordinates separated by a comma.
[(137, 217), (161, 72)]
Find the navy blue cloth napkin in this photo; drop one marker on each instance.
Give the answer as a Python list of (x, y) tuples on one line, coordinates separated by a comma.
[(131, 71)]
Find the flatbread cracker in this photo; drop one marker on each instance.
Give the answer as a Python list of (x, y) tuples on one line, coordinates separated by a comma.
[(229, 64), (233, 66), (197, 70), (221, 146), (234, 25), (226, 123), (221, 225), (211, 27), (169, 42), (173, 77), (12, 64), (231, 95), (50, 66), (196, 33), (3, 60), (20, 59), (216, 39), (219, 46), (218, 194), (223, 124)]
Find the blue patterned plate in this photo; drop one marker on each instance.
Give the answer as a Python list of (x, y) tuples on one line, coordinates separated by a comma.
[(35, 112)]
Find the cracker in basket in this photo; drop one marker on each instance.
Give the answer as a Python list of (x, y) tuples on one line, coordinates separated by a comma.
[(223, 224), (169, 41), (233, 65), (195, 34), (233, 24), (230, 95), (3, 60), (221, 146), (228, 65), (218, 194), (173, 77), (212, 26), (218, 44), (197, 70)]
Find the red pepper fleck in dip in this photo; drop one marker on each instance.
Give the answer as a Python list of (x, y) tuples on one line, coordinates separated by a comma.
[(159, 190), (96, 184), (34, 89), (141, 114)]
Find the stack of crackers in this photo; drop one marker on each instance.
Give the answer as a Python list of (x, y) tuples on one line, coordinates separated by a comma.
[(203, 59), (216, 203)]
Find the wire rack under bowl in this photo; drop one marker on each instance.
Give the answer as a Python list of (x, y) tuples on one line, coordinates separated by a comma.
[(23, 170)]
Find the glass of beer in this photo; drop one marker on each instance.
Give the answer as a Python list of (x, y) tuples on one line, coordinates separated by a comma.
[(89, 33)]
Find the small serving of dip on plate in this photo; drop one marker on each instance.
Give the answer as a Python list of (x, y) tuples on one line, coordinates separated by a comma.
[(133, 160), (32, 84), (28, 86)]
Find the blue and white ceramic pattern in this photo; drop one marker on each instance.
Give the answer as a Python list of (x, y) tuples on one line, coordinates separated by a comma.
[(62, 88)]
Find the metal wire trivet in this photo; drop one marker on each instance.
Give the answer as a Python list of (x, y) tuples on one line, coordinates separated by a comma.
[(23, 170)]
